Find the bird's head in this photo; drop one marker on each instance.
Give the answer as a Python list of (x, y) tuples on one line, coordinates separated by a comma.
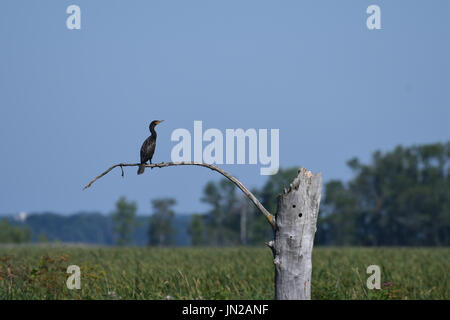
[(155, 123)]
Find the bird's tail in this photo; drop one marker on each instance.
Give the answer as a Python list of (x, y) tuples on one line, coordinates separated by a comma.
[(141, 169)]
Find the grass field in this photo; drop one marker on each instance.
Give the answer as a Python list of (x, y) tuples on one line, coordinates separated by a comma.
[(216, 273)]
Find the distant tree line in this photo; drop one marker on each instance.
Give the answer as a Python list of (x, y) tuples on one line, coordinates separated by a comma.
[(401, 198), (86, 227)]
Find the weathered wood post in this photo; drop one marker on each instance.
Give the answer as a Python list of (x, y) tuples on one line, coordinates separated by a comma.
[(294, 226)]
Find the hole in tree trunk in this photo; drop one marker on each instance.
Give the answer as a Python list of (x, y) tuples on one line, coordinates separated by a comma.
[(300, 215)]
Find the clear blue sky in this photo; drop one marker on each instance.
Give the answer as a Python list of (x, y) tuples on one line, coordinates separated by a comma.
[(74, 102)]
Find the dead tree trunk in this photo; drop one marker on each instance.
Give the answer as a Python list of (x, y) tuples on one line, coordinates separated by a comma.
[(294, 227)]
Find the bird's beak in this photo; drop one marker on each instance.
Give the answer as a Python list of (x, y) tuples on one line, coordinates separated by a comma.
[(160, 121)]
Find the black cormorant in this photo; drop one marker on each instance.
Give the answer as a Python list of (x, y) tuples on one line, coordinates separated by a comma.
[(148, 147)]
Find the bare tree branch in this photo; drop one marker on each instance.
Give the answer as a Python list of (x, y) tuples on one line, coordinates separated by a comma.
[(250, 195)]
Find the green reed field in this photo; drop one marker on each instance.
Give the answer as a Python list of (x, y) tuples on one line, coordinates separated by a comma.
[(216, 273)]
